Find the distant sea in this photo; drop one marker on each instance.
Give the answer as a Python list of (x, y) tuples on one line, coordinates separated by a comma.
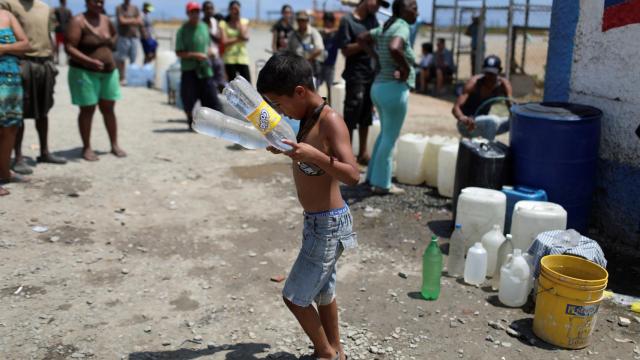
[(175, 9)]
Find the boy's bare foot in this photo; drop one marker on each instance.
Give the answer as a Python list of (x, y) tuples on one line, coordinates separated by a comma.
[(89, 155), (4, 192), (115, 150)]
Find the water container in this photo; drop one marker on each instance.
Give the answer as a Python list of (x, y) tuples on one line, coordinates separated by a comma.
[(355, 143), (457, 250), (504, 251), (372, 136), (447, 169), (338, 92), (140, 75), (475, 267), (555, 148), (480, 164), (518, 193), (531, 218), (430, 159), (491, 242), (479, 210), (409, 159), (164, 59), (514, 280)]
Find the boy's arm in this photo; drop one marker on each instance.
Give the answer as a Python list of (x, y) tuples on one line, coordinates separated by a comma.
[(342, 165)]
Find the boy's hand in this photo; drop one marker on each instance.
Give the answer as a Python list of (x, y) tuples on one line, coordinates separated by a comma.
[(301, 151), (273, 150)]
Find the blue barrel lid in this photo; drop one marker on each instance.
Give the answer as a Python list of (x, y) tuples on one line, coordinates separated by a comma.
[(557, 111)]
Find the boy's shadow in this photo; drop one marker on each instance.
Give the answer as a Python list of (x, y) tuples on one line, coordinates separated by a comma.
[(246, 351)]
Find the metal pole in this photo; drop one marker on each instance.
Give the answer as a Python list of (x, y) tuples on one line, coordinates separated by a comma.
[(434, 7), (524, 35), (509, 60), (454, 33), (480, 50), (257, 10)]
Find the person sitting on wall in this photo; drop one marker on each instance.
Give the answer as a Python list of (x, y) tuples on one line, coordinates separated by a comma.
[(442, 67), (472, 106)]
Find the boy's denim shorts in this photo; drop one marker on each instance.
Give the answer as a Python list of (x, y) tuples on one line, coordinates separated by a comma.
[(313, 275)]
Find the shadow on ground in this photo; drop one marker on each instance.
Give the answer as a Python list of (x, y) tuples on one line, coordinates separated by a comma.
[(75, 154), (172, 130), (244, 351)]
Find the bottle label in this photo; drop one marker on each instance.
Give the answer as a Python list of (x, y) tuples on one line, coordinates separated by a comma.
[(264, 118)]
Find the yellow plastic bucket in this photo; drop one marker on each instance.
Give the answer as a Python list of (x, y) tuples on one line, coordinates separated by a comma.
[(570, 290)]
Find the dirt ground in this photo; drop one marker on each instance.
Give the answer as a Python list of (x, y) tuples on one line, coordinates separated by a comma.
[(168, 254)]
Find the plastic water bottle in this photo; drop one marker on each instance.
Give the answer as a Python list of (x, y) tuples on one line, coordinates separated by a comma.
[(455, 263), (475, 267), (218, 125), (431, 270), (491, 241), (503, 252), (514, 280), (247, 101)]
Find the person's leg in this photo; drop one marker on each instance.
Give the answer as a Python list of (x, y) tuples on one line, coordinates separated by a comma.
[(218, 73), (85, 119), (107, 108), (209, 94), (7, 140), (365, 120), (230, 70), (309, 320), (329, 319), (392, 101), (189, 94), (351, 109), (133, 50), (439, 80), (244, 71), (44, 80), (120, 56)]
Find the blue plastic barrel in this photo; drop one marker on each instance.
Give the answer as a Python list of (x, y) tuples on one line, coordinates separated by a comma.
[(518, 193), (555, 147)]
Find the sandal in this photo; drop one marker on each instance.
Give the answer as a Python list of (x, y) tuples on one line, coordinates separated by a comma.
[(15, 179), (51, 159), (22, 168)]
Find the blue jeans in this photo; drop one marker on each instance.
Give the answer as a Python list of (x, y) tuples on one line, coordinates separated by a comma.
[(390, 98), (313, 275), (487, 126)]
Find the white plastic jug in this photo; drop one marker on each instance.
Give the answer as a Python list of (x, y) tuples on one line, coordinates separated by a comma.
[(430, 159), (491, 241), (164, 59), (530, 218), (447, 159), (372, 136), (514, 280), (338, 92), (409, 168), (478, 210), (475, 267)]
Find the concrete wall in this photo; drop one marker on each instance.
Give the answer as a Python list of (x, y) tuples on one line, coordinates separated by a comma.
[(603, 71)]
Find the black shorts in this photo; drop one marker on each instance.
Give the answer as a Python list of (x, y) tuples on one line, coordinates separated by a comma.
[(358, 108)]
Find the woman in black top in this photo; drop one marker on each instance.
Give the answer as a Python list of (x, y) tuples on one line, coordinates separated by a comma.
[(281, 29)]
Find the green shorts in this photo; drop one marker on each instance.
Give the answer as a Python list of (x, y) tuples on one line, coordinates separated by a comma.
[(89, 87)]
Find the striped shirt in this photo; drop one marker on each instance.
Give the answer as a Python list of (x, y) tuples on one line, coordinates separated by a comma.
[(388, 66)]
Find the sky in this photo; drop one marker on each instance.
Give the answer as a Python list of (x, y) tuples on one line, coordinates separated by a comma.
[(174, 9)]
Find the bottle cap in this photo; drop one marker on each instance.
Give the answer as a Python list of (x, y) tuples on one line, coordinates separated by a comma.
[(509, 237), (458, 226), (496, 227), (434, 238), (517, 252)]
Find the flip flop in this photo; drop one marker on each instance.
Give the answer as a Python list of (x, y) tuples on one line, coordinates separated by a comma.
[(22, 168), (15, 179), (52, 159)]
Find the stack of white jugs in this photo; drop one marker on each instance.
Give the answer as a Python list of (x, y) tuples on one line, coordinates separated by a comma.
[(495, 257)]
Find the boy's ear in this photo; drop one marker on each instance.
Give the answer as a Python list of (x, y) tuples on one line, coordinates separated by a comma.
[(300, 91)]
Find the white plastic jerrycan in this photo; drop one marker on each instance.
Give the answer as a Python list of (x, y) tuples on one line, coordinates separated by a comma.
[(514, 280), (475, 267), (430, 159), (491, 242), (531, 218), (409, 167), (447, 159)]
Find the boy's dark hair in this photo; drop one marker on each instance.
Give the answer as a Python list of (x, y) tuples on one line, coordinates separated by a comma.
[(285, 7), (396, 10), (328, 17), (283, 72), (234, 2), (442, 40), (427, 47)]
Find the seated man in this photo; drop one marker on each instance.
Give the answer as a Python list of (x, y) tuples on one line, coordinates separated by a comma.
[(442, 67), (424, 68), (472, 106)]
